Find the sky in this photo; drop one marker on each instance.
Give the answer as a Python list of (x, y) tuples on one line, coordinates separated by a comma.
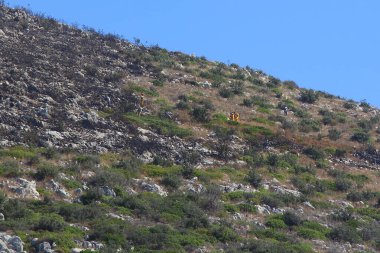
[(327, 45)]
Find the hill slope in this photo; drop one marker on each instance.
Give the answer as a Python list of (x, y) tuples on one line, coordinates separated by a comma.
[(84, 165)]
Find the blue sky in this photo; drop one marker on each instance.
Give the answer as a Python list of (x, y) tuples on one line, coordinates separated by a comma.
[(329, 45)]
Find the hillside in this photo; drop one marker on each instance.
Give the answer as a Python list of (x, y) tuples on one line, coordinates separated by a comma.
[(84, 167)]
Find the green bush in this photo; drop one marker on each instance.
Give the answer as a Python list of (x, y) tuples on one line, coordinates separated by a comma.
[(90, 196), (224, 233), (51, 222), (356, 196), (79, 213), (308, 96), (334, 134), (342, 184), (225, 92), (361, 137), (171, 181), (254, 178), (291, 219), (201, 114), (345, 233), (308, 233), (273, 201), (314, 153), (87, 161), (349, 105), (10, 168), (276, 223), (290, 84), (46, 171), (158, 82), (307, 125)]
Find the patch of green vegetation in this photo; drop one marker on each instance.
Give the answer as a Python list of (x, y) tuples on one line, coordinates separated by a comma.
[(208, 174), (312, 230), (159, 171), (264, 121), (307, 125), (371, 212), (19, 152), (105, 113), (161, 126), (140, 89), (71, 184), (256, 130)]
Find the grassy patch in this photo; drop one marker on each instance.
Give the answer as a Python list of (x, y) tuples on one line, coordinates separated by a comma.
[(19, 152), (161, 126), (158, 171)]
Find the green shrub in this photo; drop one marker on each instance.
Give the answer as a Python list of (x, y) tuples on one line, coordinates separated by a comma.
[(334, 134), (307, 125), (314, 153), (291, 219), (247, 102), (308, 96), (349, 105), (87, 161), (51, 222), (225, 92), (171, 181), (46, 171), (90, 196), (276, 223), (49, 153), (342, 184), (356, 196), (273, 201), (254, 178), (224, 233), (345, 233), (10, 168), (237, 88), (343, 214), (290, 84), (201, 114), (79, 213), (158, 82), (183, 105), (18, 152), (308, 233), (361, 137)]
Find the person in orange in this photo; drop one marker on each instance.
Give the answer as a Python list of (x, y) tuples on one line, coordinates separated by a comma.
[(237, 116)]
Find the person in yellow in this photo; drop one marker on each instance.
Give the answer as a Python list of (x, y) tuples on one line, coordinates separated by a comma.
[(232, 116), (142, 100)]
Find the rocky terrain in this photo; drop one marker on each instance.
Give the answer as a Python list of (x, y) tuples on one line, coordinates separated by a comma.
[(85, 166)]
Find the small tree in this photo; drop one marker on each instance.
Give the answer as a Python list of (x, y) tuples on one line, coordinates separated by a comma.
[(201, 114), (334, 134), (254, 178), (308, 96), (361, 137)]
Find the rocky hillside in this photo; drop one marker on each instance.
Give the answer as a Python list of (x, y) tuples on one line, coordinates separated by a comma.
[(85, 166)]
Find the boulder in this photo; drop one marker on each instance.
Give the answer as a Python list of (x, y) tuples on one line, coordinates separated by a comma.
[(26, 189), (16, 244), (44, 247), (107, 191), (151, 187)]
